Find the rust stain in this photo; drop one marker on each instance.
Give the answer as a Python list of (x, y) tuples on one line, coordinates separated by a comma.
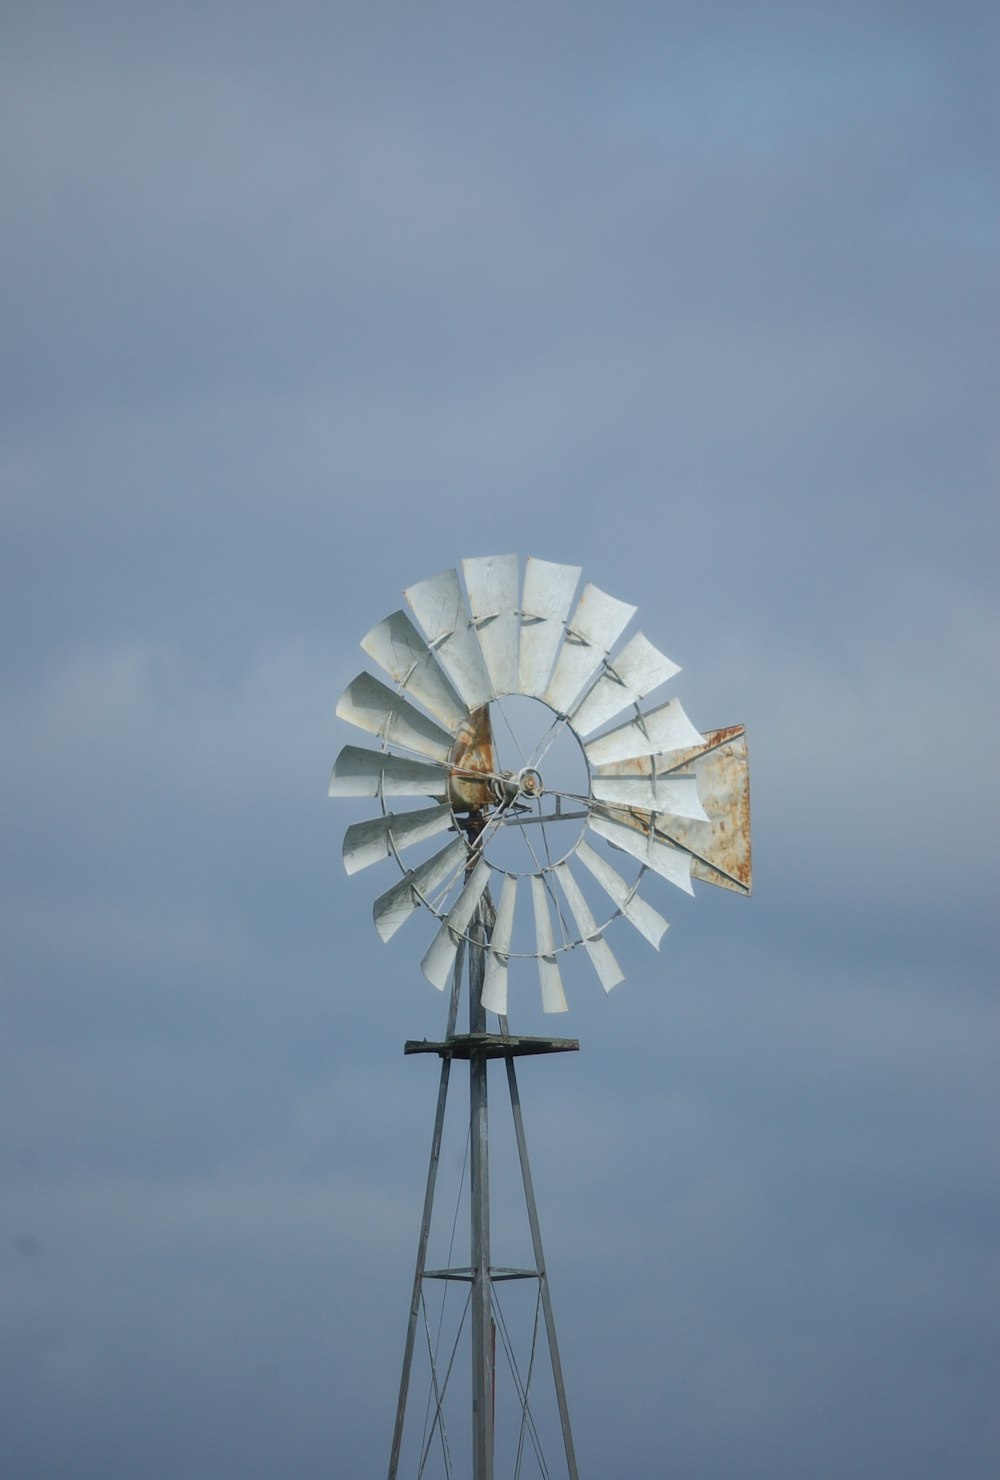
[(473, 764), (720, 847)]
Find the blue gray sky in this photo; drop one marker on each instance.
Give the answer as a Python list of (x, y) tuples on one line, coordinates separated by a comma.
[(303, 304)]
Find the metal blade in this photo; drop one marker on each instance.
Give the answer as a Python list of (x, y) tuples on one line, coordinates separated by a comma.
[(492, 583), (675, 795), (439, 958), (439, 607), (635, 672), (553, 996), (721, 846), (595, 626), (636, 838), (473, 763), (393, 908), (494, 997), (397, 647), (719, 843), (663, 729), (366, 843), (609, 973), (373, 706), (646, 920), (370, 773), (548, 592)]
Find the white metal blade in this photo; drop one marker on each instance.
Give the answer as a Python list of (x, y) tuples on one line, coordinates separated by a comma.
[(548, 592), (373, 706), (370, 773), (366, 843), (440, 608), (646, 920), (721, 846), (393, 908), (663, 729), (609, 973), (676, 795), (670, 863), (397, 647), (553, 996), (635, 672), (492, 584), (595, 626), (494, 997), (439, 958)]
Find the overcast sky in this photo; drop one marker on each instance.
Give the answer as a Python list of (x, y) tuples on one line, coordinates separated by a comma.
[(302, 304)]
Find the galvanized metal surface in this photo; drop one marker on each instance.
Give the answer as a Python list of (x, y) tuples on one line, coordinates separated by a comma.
[(671, 799), (425, 1228), (393, 908), (548, 595), (492, 583), (649, 922), (369, 704), (441, 610), (540, 1265), (366, 843), (375, 773), (397, 647), (439, 959), (637, 670), (625, 830), (480, 1048), (491, 1045), (473, 763), (677, 795), (495, 981), (479, 1208), (594, 628), (609, 973), (719, 846), (662, 729), (550, 980)]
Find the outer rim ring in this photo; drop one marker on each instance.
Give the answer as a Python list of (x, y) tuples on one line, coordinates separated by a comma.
[(441, 913), (588, 804)]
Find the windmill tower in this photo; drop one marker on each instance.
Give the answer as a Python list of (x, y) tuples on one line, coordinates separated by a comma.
[(552, 793)]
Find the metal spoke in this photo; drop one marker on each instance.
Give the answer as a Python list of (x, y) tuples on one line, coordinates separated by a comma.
[(511, 731), (548, 740), (543, 874)]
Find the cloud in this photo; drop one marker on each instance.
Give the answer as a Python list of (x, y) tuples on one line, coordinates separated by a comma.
[(302, 308)]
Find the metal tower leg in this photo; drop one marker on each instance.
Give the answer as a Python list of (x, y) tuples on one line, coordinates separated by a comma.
[(425, 1225), (479, 1182), (543, 1279), (479, 1046)]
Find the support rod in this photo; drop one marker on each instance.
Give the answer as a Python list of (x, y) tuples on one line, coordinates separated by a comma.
[(543, 1279), (479, 1178), (425, 1225), (479, 1047)]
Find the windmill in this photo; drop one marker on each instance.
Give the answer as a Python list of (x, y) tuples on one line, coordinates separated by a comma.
[(534, 795)]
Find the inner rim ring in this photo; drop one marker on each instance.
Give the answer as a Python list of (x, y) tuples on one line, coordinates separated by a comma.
[(516, 790)]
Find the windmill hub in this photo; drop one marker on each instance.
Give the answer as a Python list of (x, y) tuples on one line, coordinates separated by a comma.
[(493, 682), (537, 779), (529, 782), (510, 786)]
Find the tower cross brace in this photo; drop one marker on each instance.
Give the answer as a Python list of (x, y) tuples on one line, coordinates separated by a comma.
[(480, 1048)]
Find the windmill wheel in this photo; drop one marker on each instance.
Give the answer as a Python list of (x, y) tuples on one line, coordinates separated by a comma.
[(513, 716)]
